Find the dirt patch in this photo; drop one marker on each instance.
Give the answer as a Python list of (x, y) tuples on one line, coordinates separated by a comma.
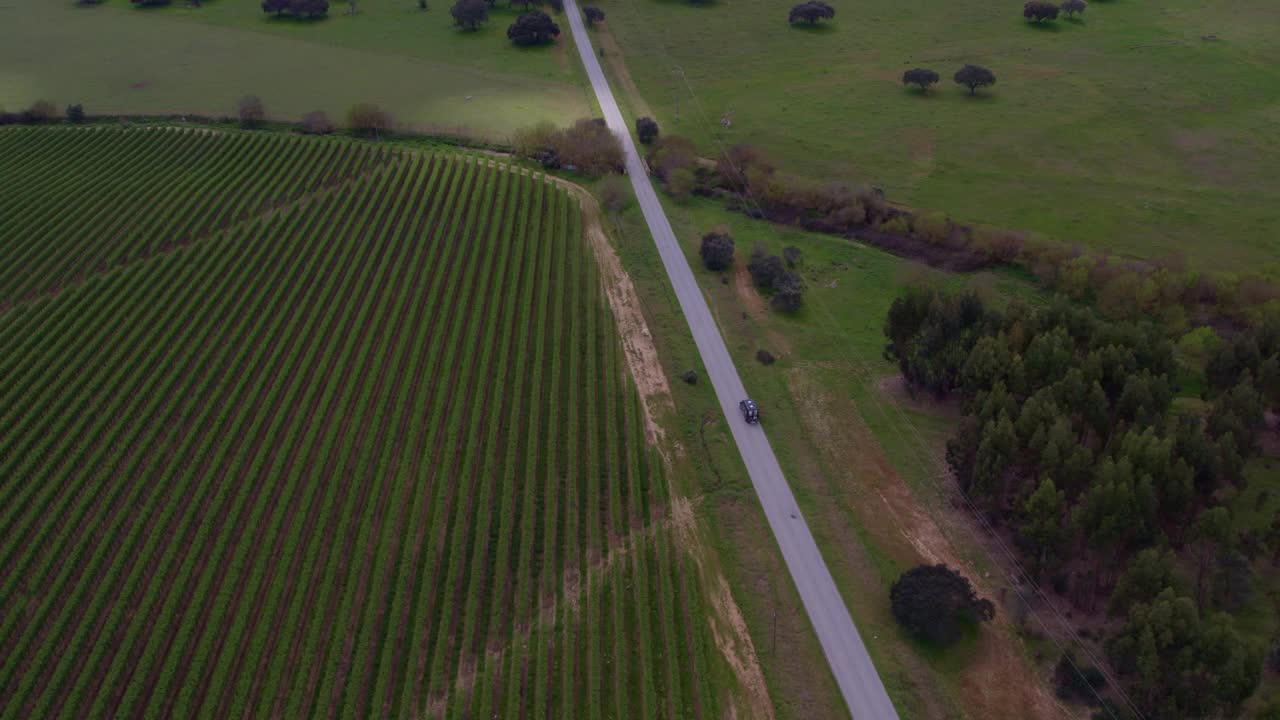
[(637, 341), (751, 299), (895, 388)]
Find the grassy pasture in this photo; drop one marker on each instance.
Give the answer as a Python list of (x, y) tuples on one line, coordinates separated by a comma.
[(368, 448), (115, 58), (1125, 130)]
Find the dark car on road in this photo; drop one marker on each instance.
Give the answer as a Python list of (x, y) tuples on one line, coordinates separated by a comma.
[(750, 412)]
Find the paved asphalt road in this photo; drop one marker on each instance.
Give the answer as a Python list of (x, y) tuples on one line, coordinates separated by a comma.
[(859, 683)]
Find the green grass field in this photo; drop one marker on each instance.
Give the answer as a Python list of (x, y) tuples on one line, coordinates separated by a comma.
[(116, 58), (312, 428), (1124, 131)]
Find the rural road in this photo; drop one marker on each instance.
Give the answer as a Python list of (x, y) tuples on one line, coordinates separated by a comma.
[(859, 683)]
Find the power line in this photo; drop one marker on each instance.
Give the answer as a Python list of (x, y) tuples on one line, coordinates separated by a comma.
[(941, 472)]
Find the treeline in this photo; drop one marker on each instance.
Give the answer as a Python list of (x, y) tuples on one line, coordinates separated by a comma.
[(1179, 296), (1070, 440)]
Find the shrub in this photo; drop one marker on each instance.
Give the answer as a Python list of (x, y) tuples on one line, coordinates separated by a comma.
[(672, 153), (297, 8), (250, 111), (75, 114), (615, 193), (533, 28), (593, 14), (690, 376), (646, 130), (590, 147), (40, 112), (920, 77), (316, 122), (743, 167), (717, 249), (765, 357), (681, 182), (368, 119), (792, 255)]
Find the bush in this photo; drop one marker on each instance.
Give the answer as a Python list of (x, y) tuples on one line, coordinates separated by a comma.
[(368, 119), (765, 357), (717, 249), (75, 114), (586, 146), (811, 12), (646, 130), (689, 376), (788, 292), (670, 154), (40, 113), (297, 8), (744, 167), (316, 122), (250, 111), (681, 182), (1073, 7), (593, 14), (615, 193)]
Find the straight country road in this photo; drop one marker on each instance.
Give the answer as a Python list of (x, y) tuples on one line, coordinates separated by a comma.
[(859, 683)]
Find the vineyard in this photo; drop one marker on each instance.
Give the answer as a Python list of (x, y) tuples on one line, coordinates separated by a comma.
[(296, 427)]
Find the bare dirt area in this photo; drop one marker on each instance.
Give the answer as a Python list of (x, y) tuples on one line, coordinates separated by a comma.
[(998, 681)]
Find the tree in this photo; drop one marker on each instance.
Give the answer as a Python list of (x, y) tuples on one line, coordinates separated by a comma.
[(1211, 533), (250, 111), (811, 12), (974, 77), (1040, 10), (717, 249), (615, 193), (1042, 530), (278, 7), (309, 8), (368, 119), (75, 114), (1182, 665), (1073, 7), (594, 15), (534, 28), (788, 292), (934, 602), (469, 14), (1148, 574), (646, 130), (920, 77), (316, 122), (150, 3)]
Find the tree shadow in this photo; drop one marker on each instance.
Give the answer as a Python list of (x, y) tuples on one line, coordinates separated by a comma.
[(297, 19), (982, 95), (915, 91), (819, 28), (1047, 27), (1077, 20)]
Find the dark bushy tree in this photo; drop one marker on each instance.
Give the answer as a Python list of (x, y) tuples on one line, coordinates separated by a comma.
[(250, 111), (275, 7), (1040, 10), (974, 77), (1072, 8), (469, 14), (75, 114), (534, 28), (792, 255), (150, 3), (593, 15), (811, 12), (646, 130), (920, 77), (934, 602), (717, 249)]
